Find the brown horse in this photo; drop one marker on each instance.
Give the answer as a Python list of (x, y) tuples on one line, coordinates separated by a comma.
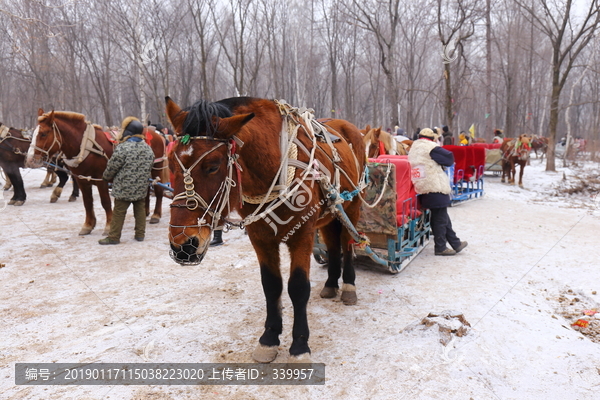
[(13, 149), (539, 143), (280, 169), (378, 142), (515, 151), (86, 151)]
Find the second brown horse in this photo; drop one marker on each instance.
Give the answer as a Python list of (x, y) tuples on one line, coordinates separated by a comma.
[(60, 131)]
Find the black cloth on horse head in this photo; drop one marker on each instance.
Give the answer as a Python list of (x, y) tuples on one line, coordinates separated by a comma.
[(199, 120)]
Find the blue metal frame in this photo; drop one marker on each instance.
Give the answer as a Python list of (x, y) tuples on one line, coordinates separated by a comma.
[(464, 190), (412, 237)]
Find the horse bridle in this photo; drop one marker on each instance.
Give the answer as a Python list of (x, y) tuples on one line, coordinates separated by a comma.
[(56, 133), (193, 200)]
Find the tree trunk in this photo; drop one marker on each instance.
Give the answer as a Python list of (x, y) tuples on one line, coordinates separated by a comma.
[(448, 98)]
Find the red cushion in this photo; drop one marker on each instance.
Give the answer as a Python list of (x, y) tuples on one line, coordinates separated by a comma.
[(460, 161)]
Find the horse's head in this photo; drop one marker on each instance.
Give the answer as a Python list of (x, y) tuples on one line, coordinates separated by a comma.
[(204, 166), (371, 141), (45, 141)]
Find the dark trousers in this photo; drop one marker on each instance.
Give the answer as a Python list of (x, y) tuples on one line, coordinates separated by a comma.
[(442, 229), (119, 212)]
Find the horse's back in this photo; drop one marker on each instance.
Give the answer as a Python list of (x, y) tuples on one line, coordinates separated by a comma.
[(350, 133)]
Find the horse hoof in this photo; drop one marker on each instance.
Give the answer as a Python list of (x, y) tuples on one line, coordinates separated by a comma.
[(264, 354), (11, 202), (154, 220), (85, 231), (328, 292), (72, 199), (19, 202), (106, 231), (300, 358), (55, 194), (349, 294)]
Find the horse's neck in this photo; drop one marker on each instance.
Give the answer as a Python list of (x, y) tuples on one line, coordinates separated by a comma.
[(71, 138), (260, 158)]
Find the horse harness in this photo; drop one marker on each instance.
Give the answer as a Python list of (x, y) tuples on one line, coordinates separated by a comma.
[(280, 190), (517, 148), (6, 135)]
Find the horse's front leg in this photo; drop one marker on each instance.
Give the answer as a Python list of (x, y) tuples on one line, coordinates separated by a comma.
[(521, 173), (513, 173), (158, 192), (267, 252), (19, 196), (88, 204), (7, 184), (75, 192), (300, 247)]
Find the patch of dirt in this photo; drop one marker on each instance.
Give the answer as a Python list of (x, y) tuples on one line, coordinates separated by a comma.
[(581, 312), (449, 323)]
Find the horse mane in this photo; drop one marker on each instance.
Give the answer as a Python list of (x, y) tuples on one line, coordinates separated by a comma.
[(64, 115), (199, 120), (386, 138)]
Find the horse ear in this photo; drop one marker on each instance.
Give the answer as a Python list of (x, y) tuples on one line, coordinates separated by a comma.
[(377, 132), (40, 112), (51, 116), (175, 114), (227, 127)]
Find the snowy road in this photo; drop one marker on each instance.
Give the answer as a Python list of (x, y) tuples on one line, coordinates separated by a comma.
[(64, 298)]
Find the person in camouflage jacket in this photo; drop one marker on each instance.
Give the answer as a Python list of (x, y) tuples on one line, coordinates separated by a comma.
[(129, 169)]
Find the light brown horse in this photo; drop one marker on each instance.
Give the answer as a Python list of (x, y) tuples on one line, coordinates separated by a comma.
[(64, 132), (515, 151), (379, 142), (260, 157)]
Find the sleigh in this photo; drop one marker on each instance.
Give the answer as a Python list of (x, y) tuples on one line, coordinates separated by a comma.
[(493, 156), (466, 175), (397, 228)]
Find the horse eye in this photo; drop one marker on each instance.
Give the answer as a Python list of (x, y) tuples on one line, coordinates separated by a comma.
[(212, 170)]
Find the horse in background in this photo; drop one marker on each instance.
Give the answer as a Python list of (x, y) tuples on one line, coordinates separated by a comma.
[(539, 143), (13, 149), (379, 142), (64, 132), (279, 169), (515, 151)]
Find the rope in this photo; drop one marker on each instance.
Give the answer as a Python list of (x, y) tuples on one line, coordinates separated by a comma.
[(291, 172)]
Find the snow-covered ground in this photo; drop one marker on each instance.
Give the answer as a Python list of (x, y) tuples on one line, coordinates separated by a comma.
[(531, 268)]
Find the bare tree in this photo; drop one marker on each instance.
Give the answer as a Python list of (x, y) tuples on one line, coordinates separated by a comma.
[(381, 18), (568, 38), (456, 24)]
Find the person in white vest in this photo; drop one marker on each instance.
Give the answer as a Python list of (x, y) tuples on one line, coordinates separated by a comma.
[(427, 160)]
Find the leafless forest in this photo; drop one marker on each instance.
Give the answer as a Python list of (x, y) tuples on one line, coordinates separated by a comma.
[(525, 66)]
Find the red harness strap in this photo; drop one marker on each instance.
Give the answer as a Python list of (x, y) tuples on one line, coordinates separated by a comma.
[(381, 148)]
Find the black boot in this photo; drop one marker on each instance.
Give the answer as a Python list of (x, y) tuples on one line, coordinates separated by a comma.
[(217, 238)]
